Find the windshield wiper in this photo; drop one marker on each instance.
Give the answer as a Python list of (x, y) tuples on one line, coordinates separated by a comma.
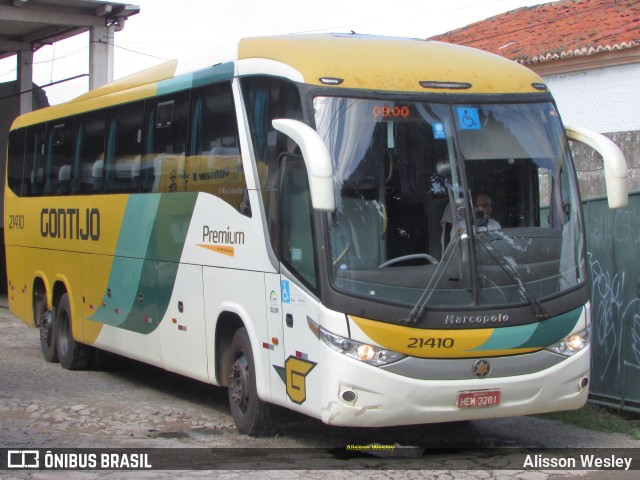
[(497, 256), (513, 274), (419, 307)]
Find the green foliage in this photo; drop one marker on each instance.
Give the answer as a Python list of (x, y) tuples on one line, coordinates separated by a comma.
[(601, 419)]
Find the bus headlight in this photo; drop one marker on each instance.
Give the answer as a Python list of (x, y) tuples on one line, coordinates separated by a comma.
[(363, 352), (573, 343)]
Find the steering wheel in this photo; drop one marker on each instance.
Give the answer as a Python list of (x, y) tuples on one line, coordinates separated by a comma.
[(404, 258)]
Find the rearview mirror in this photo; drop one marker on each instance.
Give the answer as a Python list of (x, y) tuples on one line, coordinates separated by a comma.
[(317, 160), (615, 166)]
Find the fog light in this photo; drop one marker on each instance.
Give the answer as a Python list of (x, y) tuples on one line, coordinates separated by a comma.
[(584, 381), (349, 396)]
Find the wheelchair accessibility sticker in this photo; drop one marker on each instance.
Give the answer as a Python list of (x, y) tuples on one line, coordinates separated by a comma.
[(286, 291), (295, 299), (468, 118)]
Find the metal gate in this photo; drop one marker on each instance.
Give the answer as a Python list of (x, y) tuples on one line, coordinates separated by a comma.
[(613, 251)]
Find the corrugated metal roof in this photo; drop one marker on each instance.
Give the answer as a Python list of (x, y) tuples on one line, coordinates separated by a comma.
[(556, 30)]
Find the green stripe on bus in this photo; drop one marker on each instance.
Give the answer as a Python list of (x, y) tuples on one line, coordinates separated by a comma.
[(127, 266), (216, 73), (177, 84), (535, 335), (554, 329), (147, 259), (164, 251)]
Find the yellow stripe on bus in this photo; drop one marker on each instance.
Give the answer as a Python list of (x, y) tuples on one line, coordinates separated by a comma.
[(428, 343)]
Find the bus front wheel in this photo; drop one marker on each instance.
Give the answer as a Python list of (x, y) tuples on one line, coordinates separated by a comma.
[(251, 415), (72, 355)]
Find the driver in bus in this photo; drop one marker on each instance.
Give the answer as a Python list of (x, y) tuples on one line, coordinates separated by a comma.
[(483, 204), (482, 208)]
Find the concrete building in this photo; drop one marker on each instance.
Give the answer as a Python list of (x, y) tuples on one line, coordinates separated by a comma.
[(26, 26), (588, 52)]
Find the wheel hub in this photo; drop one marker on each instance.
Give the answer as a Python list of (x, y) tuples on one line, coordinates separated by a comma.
[(239, 383), (46, 332)]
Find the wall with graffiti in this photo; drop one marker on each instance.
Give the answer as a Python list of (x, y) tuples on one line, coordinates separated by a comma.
[(613, 246)]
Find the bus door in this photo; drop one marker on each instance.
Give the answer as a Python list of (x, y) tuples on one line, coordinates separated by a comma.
[(297, 281), (275, 341)]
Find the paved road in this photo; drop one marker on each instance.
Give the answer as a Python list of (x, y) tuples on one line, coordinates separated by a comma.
[(126, 404)]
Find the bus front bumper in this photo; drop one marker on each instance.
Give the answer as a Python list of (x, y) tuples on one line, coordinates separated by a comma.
[(366, 396)]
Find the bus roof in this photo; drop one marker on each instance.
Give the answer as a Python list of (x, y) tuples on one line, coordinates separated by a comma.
[(391, 64), (338, 60)]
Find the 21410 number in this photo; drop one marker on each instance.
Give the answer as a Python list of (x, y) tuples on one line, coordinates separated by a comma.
[(16, 222), (415, 342)]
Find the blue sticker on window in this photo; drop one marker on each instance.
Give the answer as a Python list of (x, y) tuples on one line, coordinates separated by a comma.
[(438, 131), (468, 118)]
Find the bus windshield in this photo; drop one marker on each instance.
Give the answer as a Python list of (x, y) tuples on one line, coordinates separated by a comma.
[(451, 204)]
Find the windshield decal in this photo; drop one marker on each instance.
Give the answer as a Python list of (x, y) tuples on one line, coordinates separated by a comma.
[(468, 118), (439, 132)]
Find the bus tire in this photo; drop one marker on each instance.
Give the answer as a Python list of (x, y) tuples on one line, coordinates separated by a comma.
[(72, 355), (251, 415), (46, 324)]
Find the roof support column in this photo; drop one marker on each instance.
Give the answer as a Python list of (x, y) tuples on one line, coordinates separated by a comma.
[(25, 80), (100, 56)]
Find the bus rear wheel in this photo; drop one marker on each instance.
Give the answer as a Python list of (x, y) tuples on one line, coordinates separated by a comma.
[(72, 355), (251, 415), (45, 321)]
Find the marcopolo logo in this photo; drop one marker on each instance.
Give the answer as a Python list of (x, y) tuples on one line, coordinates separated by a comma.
[(221, 241), (70, 223), (476, 319)]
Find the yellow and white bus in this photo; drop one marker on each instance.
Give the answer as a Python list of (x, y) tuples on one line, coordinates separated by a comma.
[(296, 218)]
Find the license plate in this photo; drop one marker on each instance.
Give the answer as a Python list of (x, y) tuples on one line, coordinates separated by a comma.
[(478, 398)]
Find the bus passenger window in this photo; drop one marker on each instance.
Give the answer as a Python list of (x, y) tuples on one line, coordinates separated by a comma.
[(34, 160), (89, 153), (165, 148), (64, 180), (59, 151), (16, 161), (215, 161), (124, 149)]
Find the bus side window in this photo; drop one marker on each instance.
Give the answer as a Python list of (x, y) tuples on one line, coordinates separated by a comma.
[(121, 172), (215, 161), (58, 157), (163, 163), (266, 99), (296, 220), (89, 150), (34, 160), (16, 161)]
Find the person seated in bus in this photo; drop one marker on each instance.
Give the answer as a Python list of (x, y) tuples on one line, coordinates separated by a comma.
[(483, 204), (483, 209)]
